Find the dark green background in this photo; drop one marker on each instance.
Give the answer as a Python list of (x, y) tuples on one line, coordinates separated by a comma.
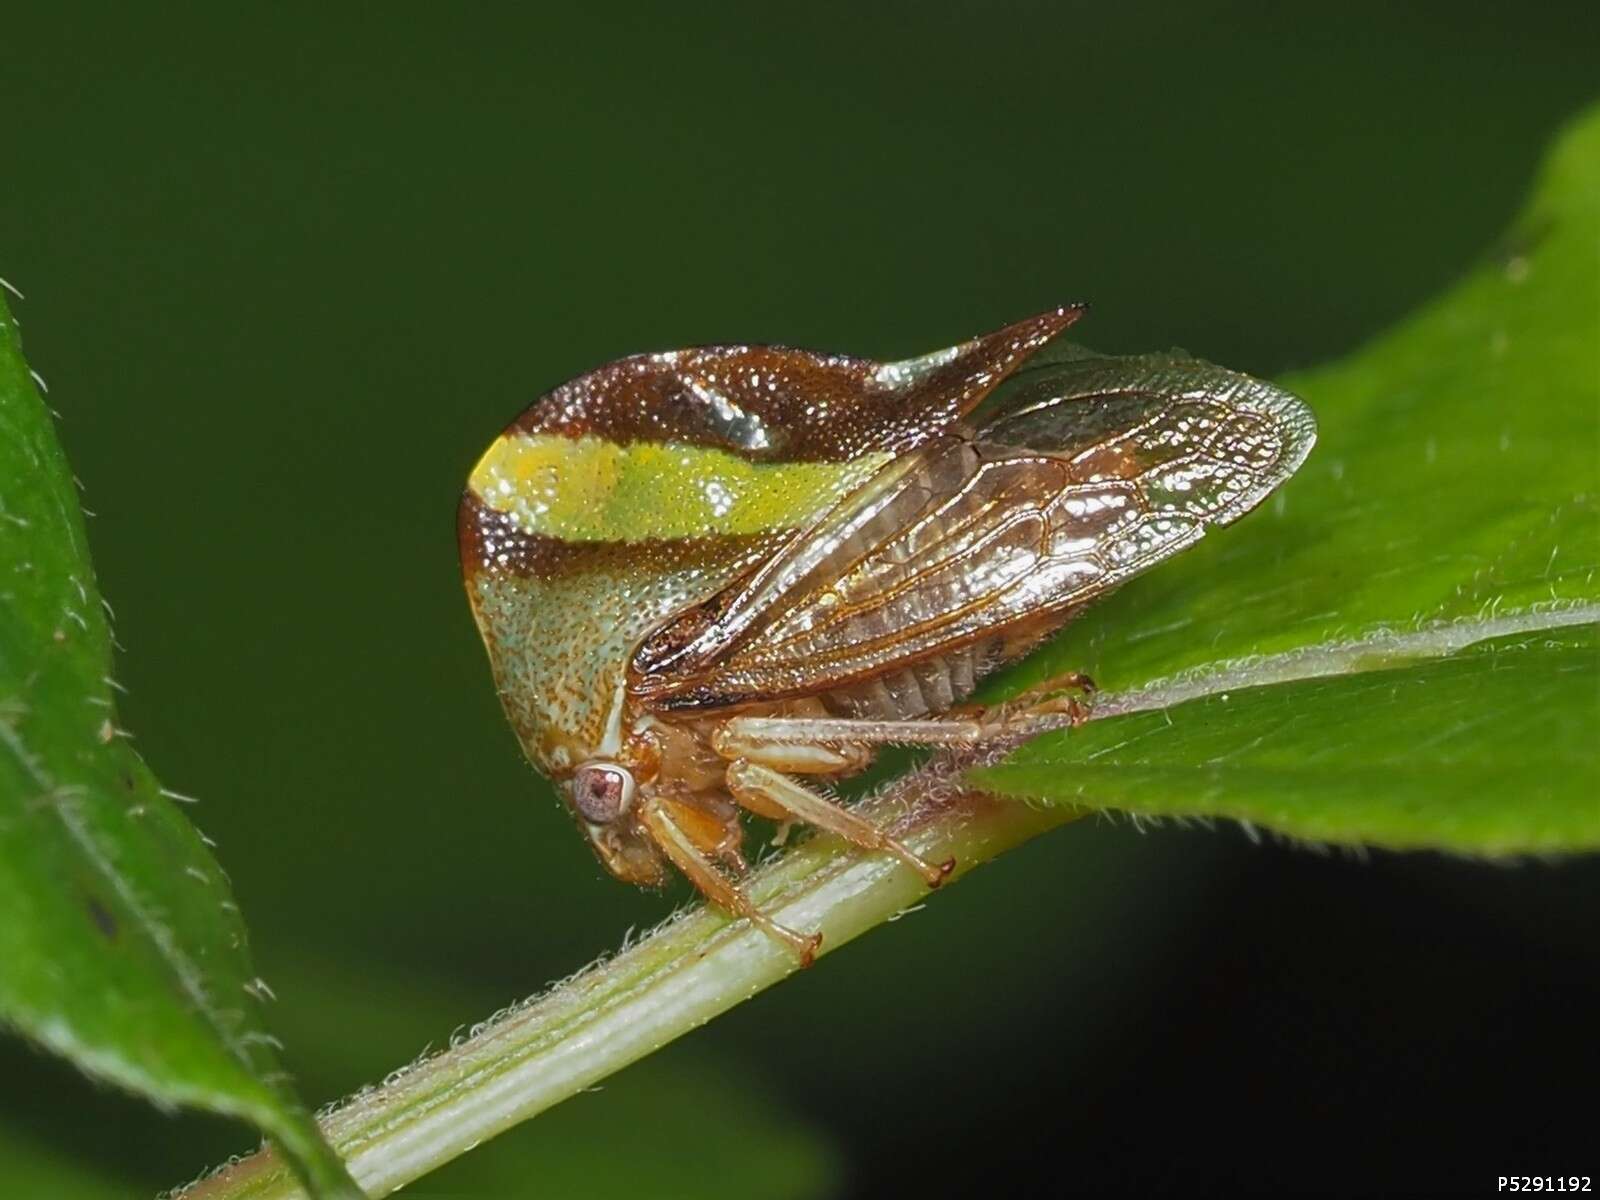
[(288, 274)]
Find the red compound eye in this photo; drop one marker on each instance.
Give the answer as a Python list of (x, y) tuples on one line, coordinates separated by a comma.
[(601, 792)]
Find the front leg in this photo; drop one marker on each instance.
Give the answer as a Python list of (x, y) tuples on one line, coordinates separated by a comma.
[(678, 844)]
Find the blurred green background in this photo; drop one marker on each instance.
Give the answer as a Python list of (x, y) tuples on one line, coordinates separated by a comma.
[(287, 275)]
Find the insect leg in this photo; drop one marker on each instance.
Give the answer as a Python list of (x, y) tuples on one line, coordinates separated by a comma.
[(702, 872), (835, 745), (761, 789), (832, 743), (1044, 698)]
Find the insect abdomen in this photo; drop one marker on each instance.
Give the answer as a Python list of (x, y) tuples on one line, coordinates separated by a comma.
[(932, 686), (929, 507)]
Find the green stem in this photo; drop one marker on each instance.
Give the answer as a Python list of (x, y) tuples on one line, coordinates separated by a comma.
[(694, 967)]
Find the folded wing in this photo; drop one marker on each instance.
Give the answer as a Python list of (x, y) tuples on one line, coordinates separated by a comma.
[(1080, 475)]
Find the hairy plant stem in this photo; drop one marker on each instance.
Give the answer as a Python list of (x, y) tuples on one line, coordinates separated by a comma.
[(618, 1010)]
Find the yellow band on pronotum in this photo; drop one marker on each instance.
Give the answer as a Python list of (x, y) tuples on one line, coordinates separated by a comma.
[(589, 489)]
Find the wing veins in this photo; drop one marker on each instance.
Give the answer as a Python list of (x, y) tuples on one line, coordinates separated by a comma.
[(957, 549), (951, 541), (1012, 519), (1043, 557)]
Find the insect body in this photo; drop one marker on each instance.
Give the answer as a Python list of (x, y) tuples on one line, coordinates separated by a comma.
[(706, 576)]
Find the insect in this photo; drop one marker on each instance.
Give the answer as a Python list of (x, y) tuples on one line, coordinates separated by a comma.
[(714, 579)]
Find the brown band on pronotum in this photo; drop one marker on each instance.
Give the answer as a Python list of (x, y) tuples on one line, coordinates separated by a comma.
[(492, 544), (776, 404)]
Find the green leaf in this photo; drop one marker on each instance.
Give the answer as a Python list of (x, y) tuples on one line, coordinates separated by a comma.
[(1452, 499), (120, 945), (1508, 765)]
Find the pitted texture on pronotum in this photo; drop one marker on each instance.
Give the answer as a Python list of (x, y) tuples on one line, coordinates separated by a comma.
[(679, 554), (776, 404)]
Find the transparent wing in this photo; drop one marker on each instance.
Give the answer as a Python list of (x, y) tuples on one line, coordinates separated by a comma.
[(1085, 474)]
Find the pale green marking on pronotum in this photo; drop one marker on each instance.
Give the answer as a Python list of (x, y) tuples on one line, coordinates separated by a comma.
[(589, 489)]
